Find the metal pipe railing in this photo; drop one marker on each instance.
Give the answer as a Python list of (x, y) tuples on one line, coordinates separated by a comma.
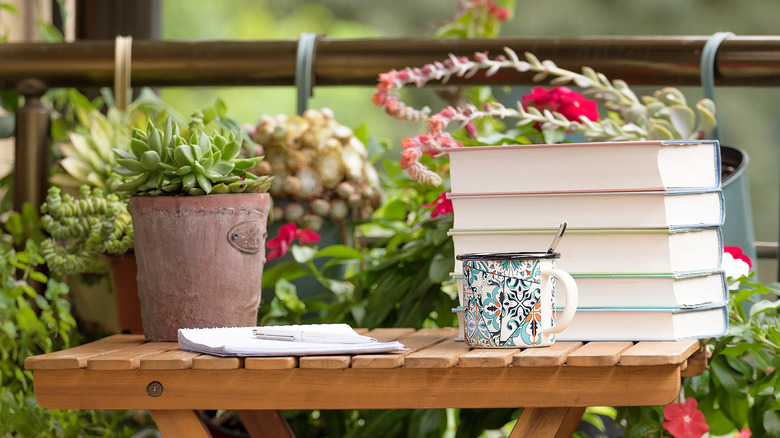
[(651, 60), (752, 61)]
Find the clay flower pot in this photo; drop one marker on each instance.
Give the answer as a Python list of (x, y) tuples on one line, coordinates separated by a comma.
[(124, 273), (200, 260)]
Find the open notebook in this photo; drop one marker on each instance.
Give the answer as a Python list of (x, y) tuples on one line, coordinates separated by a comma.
[(305, 340)]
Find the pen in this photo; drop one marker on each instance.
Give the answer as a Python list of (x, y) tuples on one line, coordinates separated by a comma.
[(301, 336)]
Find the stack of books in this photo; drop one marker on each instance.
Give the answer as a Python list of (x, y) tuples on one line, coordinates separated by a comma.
[(643, 241)]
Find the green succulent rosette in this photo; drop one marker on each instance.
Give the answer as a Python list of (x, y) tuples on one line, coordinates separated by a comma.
[(162, 162)]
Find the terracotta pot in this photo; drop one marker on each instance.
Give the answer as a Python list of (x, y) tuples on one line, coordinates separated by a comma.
[(200, 260), (125, 286)]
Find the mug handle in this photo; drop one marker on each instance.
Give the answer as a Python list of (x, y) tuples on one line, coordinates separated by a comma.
[(571, 300)]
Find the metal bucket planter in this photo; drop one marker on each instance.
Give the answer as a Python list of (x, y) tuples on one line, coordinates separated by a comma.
[(738, 226), (200, 260)]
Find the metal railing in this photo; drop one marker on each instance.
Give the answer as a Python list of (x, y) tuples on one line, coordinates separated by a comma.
[(31, 68)]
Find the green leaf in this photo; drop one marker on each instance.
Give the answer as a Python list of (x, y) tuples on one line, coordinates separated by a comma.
[(150, 160), (138, 146), (223, 167), (339, 251), (733, 382), (683, 120), (183, 155), (303, 254), (188, 180), (203, 182), (440, 268), (131, 165), (763, 306), (231, 150)]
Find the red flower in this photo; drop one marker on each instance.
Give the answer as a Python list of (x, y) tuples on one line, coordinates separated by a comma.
[(440, 206), (288, 233), (737, 253), (562, 100), (684, 420)]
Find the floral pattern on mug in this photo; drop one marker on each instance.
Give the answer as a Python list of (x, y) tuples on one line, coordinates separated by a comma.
[(503, 310)]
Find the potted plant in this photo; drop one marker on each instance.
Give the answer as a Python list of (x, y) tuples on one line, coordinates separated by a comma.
[(199, 226), (82, 231), (83, 140)]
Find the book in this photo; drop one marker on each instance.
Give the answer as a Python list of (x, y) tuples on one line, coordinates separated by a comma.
[(657, 291), (241, 341), (615, 251), (586, 167), (626, 209), (639, 324), (647, 324)]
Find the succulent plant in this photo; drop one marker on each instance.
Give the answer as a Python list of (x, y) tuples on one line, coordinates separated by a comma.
[(164, 163), (84, 137), (83, 229), (316, 162)]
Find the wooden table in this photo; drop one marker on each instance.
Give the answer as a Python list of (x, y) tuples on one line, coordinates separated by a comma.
[(554, 384)]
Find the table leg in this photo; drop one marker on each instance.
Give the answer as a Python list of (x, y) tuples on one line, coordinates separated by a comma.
[(265, 424), (547, 423), (180, 423)]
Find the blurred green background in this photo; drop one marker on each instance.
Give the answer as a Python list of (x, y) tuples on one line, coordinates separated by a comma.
[(747, 115)]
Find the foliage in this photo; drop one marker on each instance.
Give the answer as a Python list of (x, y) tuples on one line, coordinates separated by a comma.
[(84, 229), (662, 116), (741, 388), (164, 163), (84, 136), (35, 319)]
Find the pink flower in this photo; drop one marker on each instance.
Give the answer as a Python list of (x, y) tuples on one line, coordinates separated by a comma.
[(737, 253), (563, 100), (288, 233), (744, 433), (442, 205), (684, 420)]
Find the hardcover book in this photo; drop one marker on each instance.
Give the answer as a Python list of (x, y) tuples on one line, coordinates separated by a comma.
[(627, 209), (615, 251), (586, 167), (647, 324), (658, 291)]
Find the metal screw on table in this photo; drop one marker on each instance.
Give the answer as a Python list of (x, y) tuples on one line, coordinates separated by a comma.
[(155, 389)]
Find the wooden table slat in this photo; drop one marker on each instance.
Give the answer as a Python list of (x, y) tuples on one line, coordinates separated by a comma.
[(77, 357), (325, 362), (659, 353), (552, 356), (595, 354), (389, 334), (129, 358), (270, 363), (442, 355), (414, 341), (169, 360), (208, 362), (488, 357)]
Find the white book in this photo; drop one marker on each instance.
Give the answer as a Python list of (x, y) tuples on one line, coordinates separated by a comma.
[(586, 167), (241, 341), (616, 251), (628, 209), (623, 291), (647, 325)]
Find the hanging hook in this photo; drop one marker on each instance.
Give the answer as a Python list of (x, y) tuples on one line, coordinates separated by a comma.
[(122, 59), (304, 69), (707, 68)]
